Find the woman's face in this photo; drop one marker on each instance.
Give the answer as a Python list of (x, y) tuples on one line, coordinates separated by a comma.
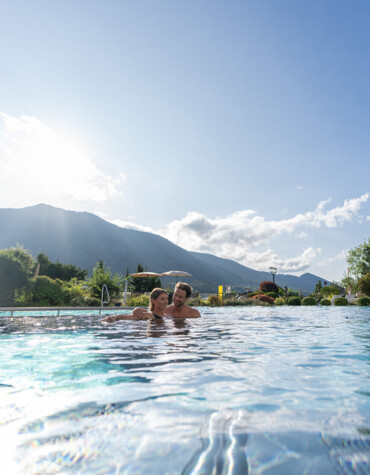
[(161, 301)]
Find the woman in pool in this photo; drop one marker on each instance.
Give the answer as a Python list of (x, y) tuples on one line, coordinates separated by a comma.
[(158, 302)]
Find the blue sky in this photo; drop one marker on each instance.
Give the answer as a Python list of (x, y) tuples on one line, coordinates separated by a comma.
[(235, 128)]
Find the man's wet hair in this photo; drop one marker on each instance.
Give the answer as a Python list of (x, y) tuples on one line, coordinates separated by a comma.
[(184, 286)]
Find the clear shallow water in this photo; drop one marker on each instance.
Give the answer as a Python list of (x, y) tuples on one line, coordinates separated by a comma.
[(244, 390)]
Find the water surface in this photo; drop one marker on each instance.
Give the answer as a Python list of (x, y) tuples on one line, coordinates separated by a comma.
[(241, 390)]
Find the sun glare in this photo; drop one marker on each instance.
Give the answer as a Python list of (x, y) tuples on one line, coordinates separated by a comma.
[(40, 165)]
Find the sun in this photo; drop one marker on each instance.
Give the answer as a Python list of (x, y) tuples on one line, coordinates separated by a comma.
[(47, 166)]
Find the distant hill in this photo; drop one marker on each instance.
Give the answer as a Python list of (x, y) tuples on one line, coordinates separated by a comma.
[(82, 238)]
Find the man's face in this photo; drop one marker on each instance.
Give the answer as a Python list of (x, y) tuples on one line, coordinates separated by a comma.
[(179, 298)]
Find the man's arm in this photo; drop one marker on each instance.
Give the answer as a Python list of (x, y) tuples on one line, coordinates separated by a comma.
[(193, 313)]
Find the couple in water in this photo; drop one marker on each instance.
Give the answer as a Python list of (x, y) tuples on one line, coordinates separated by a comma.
[(159, 308)]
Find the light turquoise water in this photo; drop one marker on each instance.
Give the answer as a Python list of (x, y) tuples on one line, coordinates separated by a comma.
[(257, 390)]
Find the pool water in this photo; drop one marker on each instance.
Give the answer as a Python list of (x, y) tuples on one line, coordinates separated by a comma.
[(242, 390)]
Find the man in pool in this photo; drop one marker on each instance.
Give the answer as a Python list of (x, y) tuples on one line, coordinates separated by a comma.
[(178, 308)]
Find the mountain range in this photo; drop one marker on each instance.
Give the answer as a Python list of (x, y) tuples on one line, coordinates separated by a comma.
[(83, 239)]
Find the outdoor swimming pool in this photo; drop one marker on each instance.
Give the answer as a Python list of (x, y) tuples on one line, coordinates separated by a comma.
[(241, 390)]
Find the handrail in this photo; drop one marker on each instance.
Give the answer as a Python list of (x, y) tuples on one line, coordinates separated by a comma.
[(56, 309), (102, 301)]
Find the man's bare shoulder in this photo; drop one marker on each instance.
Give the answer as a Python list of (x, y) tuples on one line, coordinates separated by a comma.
[(192, 312), (184, 312)]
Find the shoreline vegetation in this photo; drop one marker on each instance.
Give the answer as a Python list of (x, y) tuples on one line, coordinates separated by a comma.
[(29, 282)]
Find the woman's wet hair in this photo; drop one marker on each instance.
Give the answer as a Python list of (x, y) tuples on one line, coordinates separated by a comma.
[(154, 294), (184, 286)]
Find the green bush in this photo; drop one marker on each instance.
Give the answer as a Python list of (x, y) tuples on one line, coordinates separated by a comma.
[(213, 301), (364, 284), (325, 302), (293, 301), (76, 293), (44, 292), (330, 290), (363, 301), (16, 268), (102, 275), (252, 294), (293, 293), (248, 301), (340, 302), (235, 303), (196, 302), (142, 301), (91, 302), (274, 295), (279, 301), (309, 301)]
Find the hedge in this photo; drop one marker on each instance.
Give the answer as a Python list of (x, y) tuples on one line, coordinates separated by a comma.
[(340, 302), (293, 301), (363, 301)]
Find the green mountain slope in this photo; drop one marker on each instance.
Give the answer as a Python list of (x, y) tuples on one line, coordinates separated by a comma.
[(82, 238)]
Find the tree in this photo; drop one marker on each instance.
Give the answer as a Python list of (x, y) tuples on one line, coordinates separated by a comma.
[(358, 260), (12, 278), (350, 284), (144, 284), (16, 268), (103, 275), (137, 284), (268, 286), (327, 291), (332, 289), (154, 283), (364, 284), (317, 293), (56, 270), (22, 256)]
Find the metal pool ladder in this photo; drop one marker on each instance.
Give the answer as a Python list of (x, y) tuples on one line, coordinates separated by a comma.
[(102, 295)]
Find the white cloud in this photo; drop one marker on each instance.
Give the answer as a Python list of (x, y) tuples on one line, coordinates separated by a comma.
[(38, 165), (129, 225), (124, 224), (235, 236), (301, 235), (244, 228), (336, 216), (263, 260)]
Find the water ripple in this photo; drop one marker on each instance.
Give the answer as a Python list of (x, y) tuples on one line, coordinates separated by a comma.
[(265, 390)]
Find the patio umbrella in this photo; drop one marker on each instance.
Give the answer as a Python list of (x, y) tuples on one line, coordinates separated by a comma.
[(177, 273), (147, 275)]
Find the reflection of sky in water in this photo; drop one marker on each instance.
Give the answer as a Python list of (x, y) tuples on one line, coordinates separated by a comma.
[(270, 389)]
